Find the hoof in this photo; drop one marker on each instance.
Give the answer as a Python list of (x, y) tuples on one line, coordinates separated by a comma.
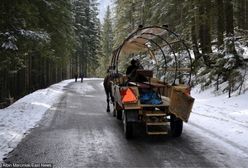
[(108, 110)]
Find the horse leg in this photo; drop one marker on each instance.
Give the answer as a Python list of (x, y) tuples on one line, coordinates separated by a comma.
[(111, 97), (108, 108), (114, 110)]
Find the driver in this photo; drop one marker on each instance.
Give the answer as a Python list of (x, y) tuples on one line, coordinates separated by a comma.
[(131, 69)]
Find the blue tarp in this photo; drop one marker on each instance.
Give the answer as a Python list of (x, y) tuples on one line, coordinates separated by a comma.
[(150, 97)]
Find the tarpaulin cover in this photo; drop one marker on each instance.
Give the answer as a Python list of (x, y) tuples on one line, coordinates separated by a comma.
[(138, 42), (150, 97)]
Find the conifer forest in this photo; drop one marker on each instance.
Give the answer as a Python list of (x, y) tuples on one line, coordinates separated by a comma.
[(43, 42)]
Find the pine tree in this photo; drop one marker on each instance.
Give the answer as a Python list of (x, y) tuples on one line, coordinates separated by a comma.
[(220, 23), (36, 41), (106, 43), (87, 35), (94, 37)]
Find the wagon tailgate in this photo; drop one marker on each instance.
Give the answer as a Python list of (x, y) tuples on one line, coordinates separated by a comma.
[(181, 104)]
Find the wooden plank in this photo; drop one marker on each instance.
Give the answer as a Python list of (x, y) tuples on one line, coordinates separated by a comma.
[(178, 69), (153, 84), (157, 123), (132, 107), (139, 85), (155, 114), (167, 91), (147, 84), (155, 105), (181, 104), (157, 133)]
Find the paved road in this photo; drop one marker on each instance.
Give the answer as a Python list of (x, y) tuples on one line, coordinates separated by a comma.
[(77, 132)]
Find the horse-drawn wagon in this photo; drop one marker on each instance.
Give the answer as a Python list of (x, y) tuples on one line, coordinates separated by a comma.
[(161, 100)]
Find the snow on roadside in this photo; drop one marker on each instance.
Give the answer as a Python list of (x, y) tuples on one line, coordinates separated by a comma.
[(25, 113), (245, 54), (221, 119)]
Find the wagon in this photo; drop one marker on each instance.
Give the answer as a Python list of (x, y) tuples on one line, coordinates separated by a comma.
[(161, 102)]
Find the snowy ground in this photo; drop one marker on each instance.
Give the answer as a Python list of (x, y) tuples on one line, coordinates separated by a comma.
[(17, 119), (221, 120)]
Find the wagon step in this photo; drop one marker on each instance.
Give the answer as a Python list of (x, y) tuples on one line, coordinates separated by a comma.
[(157, 123), (157, 133), (156, 128), (155, 114)]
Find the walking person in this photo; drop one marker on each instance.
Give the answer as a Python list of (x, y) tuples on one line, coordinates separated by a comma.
[(82, 77), (75, 76)]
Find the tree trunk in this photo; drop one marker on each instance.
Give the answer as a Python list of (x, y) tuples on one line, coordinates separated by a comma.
[(242, 14), (204, 32), (246, 15), (229, 27), (194, 38), (229, 18), (220, 23)]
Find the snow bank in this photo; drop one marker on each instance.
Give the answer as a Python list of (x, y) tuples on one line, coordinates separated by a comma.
[(216, 118), (24, 114), (221, 119), (245, 55)]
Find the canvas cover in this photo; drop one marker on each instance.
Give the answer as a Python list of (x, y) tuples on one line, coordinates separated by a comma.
[(140, 41)]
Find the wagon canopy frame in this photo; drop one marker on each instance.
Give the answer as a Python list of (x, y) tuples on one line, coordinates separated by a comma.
[(154, 38)]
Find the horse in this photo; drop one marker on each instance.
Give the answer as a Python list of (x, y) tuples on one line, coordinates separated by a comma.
[(107, 88)]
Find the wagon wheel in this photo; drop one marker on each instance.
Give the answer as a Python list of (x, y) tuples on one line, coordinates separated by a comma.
[(119, 114), (128, 127), (114, 111), (176, 125)]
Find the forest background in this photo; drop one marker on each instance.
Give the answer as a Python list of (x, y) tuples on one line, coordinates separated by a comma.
[(44, 41)]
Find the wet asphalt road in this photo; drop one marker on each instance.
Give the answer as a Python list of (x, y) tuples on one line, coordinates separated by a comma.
[(78, 132)]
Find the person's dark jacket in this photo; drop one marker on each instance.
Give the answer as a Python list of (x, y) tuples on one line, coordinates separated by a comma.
[(130, 69)]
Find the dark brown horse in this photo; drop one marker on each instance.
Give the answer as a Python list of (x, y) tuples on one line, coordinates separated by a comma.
[(107, 88)]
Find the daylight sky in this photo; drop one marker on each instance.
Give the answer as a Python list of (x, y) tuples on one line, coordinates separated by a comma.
[(102, 8)]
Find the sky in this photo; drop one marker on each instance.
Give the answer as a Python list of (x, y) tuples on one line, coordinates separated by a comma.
[(102, 8)]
